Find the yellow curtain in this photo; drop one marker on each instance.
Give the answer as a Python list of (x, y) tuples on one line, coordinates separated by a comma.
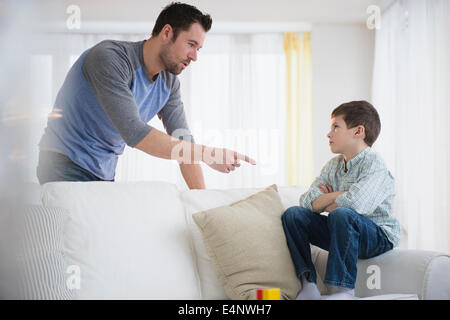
[(299, 153)]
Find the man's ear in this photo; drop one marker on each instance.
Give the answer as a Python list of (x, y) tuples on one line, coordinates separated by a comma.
[(167, 33)]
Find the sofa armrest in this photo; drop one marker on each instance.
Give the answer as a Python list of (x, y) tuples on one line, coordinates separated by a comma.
[(420, 272)]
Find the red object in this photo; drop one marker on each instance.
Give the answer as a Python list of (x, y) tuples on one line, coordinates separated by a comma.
[(259, 294)]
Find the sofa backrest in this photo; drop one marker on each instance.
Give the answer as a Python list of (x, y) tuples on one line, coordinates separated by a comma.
[(136, 240), (127, 240)]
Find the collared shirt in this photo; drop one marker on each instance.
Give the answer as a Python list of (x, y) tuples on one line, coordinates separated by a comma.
[(369, 189)]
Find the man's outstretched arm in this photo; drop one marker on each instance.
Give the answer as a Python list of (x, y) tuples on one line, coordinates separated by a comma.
[(189, 155), (193, 175)]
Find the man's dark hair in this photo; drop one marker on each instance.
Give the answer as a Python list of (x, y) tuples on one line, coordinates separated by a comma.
[(360, 113), (180, 17)]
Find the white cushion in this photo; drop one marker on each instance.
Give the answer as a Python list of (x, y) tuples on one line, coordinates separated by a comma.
[(200, 200), (43, 265), (397, 296), (129, 239)]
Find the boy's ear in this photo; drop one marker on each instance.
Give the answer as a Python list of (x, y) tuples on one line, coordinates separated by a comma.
[(360, 131)]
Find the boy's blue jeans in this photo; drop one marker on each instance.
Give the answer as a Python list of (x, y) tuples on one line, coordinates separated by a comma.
[(345, 234)]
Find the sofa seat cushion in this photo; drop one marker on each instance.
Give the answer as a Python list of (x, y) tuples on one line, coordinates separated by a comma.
[(397, 296)]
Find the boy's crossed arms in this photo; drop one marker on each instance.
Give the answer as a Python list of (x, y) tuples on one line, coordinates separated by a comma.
[(326, 202)]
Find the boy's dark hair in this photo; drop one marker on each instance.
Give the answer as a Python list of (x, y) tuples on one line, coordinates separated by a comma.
[(356, 113), (180, 17)]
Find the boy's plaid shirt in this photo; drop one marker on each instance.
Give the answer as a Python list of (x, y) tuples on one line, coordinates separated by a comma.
[(370, 189)]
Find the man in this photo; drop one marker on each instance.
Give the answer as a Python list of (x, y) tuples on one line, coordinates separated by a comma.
[(110, 94)]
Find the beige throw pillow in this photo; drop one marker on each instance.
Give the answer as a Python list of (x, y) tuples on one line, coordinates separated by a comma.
[(247, 245)]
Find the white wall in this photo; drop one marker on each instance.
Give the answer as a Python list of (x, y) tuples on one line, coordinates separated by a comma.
[(314, 11), (342, 71)]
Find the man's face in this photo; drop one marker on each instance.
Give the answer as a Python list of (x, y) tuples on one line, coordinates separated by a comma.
[(177, 55), (341, 139)]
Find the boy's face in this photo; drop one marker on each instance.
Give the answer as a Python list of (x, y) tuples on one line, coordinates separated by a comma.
[(341, 139)]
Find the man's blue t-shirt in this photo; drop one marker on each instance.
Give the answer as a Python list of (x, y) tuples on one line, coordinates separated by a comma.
[(106, 101)]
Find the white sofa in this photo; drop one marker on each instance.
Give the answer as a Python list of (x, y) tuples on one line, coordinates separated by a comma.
[(137, 240)]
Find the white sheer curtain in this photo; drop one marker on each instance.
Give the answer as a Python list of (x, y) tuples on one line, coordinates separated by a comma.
[(411, 91), (234, 96)]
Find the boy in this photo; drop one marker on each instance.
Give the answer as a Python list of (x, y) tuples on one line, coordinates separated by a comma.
[(358, 192)]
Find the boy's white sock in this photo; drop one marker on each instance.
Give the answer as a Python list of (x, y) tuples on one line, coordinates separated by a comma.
[(309, 290), (341, 294)]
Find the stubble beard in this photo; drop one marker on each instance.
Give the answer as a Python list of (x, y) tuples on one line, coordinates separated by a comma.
[(167, 60)]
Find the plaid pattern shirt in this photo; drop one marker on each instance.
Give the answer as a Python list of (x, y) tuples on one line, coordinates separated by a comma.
[(369, 187)]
